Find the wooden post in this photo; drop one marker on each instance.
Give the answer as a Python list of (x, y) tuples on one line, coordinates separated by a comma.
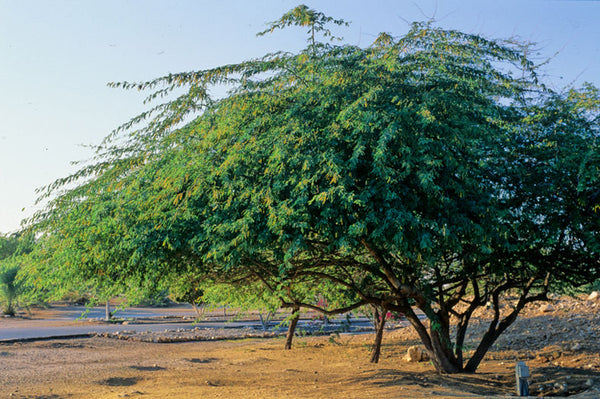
[(108, 315), (522, 374)]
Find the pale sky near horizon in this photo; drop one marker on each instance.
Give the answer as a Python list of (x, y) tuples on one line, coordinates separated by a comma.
[(56, 58)]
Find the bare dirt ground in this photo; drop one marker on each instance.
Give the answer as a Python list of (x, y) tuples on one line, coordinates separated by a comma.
[(559, 344)]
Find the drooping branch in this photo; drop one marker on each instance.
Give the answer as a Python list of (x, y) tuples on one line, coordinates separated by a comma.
[(319, 309)]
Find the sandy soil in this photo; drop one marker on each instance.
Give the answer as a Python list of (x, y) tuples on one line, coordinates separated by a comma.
[(560, 345)]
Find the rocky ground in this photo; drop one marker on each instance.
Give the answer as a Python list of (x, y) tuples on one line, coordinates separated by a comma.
[(558, 341)]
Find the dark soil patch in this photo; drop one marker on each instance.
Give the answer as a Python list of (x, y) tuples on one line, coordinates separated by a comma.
[(120, 381)]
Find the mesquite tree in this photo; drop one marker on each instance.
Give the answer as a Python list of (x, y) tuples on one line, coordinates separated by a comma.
[(431, 171)]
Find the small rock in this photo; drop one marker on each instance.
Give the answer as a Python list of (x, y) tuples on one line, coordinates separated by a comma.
[(416, 354), (546, 308), (589, 382), (594, 296), (564, 387), (576, 347)]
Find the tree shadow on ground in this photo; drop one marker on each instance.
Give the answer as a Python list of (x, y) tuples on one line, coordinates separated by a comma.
[(563, 381), (479, 384), (202, 361), (61, 345), (120, 381), (549, 381), (147, 368)]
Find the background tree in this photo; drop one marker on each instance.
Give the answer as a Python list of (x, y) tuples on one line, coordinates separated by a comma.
[(10, 288), (379, 317), (14, 250)]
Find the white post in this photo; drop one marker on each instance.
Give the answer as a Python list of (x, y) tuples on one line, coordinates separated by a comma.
[(522, 374)]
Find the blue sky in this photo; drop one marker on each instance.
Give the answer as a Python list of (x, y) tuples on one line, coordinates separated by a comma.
[(56, 58)]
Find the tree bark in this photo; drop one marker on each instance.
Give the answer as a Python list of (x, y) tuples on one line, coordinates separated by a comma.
[(484, 345), (292, 328), (442, 361), (379, 321), (443, 358), (463, 322), (461, 332)]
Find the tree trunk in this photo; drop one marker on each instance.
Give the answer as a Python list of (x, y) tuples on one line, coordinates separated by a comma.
[(443, 358), (11, 295), (265, 319), (292, 328), (108, 315), (444, 362), (379, 321), (9, 311), (484, 345), (494, 331), (497, 326), (197, 310), (461, 332)]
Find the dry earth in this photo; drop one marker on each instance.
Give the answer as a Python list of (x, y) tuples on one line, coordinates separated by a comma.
[(559, 343)]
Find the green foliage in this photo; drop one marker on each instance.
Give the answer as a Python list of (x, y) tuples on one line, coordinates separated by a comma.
[(8, 246), (306, 17), (418, 173), (187, 290), (10, 288), (14, 252), (245, 298)]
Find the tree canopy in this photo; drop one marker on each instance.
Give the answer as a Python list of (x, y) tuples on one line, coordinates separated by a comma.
[(432, 172)]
